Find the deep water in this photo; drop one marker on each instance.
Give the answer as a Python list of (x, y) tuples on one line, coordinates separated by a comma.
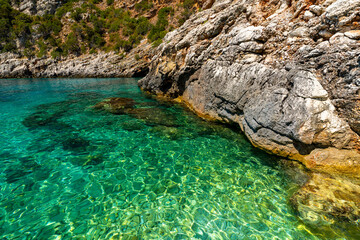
[(69, 171)]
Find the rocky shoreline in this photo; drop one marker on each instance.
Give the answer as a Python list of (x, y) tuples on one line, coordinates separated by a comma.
[(90, 65), (287, 72)]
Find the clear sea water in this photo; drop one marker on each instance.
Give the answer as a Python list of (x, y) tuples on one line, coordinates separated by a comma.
[(69, 171)]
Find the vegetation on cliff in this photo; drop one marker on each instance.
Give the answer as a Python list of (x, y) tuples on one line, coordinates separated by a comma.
[(88, 27)]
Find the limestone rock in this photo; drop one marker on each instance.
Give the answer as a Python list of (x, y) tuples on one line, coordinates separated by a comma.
[(38, 7), (286, 91)]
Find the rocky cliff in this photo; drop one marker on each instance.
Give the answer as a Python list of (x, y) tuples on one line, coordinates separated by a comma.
[(286, 71), (37, 7), (88, 65)]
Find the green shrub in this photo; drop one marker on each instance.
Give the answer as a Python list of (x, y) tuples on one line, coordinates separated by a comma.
[(109, 2), (71, 45), (76, 14), (96, 41), (57, 53), (124, 45), (29, 53), (96, 1), (42, 48), (188, 4), (157, 43), (143, 26), (115, 25), (143, 6), (49, 25)]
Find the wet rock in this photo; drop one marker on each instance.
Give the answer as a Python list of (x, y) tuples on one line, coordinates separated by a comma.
[(115, 105)]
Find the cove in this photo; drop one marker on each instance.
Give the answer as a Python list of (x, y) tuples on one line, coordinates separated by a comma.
[(70, 170)]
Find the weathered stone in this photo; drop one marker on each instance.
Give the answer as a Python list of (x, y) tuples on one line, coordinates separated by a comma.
[(354, 34), (238, 74), (100, 65), (316, 9)]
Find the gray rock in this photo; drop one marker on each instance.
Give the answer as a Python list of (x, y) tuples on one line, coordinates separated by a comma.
[(38, 7), (231, 70)]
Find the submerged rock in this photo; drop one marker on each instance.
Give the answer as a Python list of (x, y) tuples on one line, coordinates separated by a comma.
[(326, 199), (153, 116), (132, 125), (115, 105), (39, 119), (75, 143), (172, 133)]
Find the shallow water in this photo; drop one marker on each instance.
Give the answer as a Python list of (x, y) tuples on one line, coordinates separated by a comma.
[(71, 172)]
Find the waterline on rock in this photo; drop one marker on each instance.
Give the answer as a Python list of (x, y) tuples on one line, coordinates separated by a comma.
[(150, 171)]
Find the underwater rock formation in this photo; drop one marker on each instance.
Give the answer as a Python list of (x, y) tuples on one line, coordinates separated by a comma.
[(115, 105)]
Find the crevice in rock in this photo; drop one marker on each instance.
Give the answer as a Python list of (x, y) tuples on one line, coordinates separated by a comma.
[(141, 73), (302, 148)]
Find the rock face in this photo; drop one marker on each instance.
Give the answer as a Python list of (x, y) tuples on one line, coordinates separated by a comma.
[(288, 73), (289, 79), (96, 65), (38, 7)]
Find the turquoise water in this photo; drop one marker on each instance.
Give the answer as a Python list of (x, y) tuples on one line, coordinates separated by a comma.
[(69, 171)]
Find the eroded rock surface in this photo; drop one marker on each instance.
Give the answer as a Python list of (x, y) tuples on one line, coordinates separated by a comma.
[(92, 65), (289, 79), (37, 7), (288, 73)]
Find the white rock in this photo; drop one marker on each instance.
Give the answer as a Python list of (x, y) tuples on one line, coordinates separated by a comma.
[(354, 34), (308, 15)]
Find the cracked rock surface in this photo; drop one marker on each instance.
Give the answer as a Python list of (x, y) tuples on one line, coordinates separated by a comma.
[(272, 69), (286, 71)]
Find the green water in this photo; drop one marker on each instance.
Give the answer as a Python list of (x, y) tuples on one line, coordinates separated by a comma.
[(71, 172)]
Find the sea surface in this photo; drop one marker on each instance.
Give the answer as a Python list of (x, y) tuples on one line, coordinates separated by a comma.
[(71, 171)]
